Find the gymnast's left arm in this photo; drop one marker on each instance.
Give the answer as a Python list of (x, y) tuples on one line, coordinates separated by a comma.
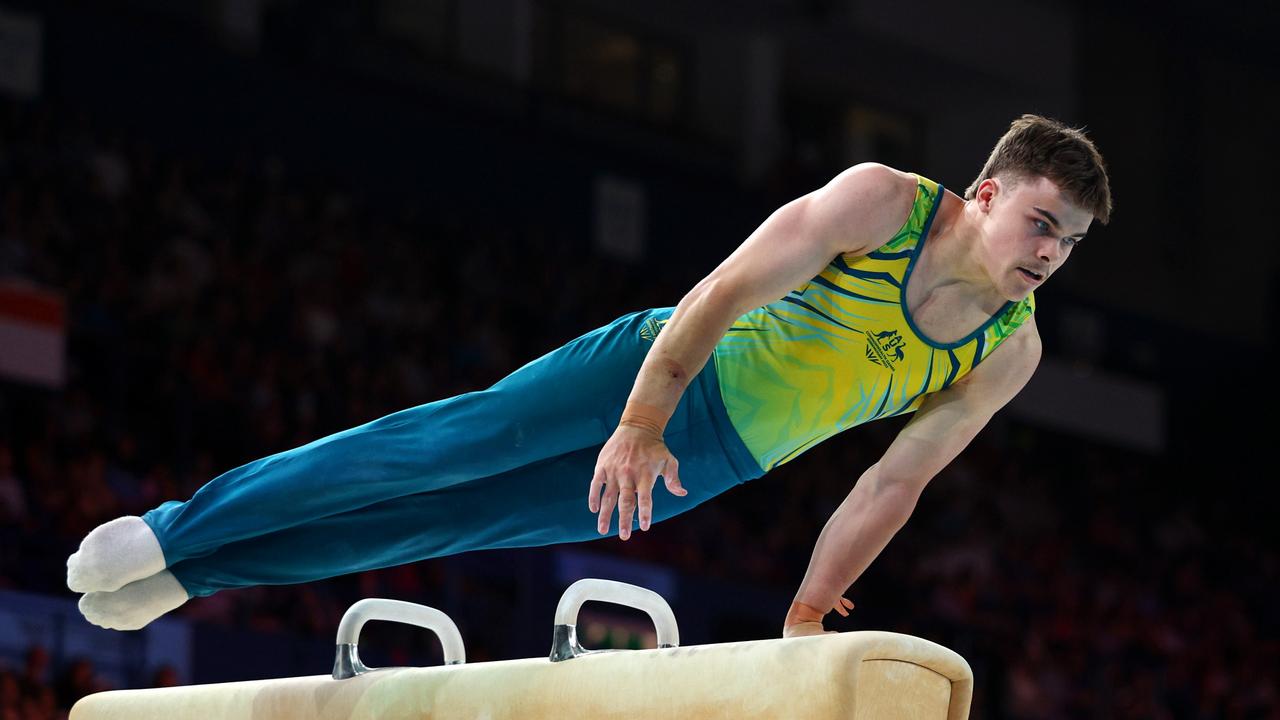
[(884, 497)]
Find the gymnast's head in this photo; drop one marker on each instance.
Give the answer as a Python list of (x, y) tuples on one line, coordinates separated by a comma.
[(1041, 188)]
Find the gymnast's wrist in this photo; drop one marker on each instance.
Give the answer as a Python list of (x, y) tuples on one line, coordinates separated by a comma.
[(643, 416), (801, 613)]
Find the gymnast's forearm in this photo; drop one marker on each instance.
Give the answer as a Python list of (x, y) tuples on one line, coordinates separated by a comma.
[(855, 534), (683, 347)]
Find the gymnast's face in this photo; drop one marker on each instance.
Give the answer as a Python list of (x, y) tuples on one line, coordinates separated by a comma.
[(1029, 229)]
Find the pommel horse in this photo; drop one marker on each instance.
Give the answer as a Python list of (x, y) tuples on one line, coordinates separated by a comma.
[(853, 675)]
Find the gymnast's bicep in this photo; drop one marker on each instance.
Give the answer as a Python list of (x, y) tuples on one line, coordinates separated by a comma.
[(855, 212)]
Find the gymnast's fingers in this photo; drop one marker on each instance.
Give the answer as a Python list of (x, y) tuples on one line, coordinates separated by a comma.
[(645, 501), (593, 493), (843, 606), (606, 507), (846, 602), (671, 476), (626, 508)]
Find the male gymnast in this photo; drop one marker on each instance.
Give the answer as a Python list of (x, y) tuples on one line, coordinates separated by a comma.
[(879, 294)]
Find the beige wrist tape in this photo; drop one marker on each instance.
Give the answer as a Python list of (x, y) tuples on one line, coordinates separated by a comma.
[(642, 415), (799, 612)]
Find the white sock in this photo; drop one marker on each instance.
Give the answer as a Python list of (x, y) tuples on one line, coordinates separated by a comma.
[(134, 605), (113, 555)]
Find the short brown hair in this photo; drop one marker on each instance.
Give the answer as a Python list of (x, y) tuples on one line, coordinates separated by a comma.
[(1036, 146)]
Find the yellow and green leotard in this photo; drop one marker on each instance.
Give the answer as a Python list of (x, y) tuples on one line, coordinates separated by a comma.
[(843, 350)]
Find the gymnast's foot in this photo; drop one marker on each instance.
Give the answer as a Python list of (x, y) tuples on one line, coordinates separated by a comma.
[(113, 555), (134, 605)]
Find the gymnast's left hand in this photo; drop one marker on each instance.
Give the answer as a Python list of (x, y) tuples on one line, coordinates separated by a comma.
[(627, 469)]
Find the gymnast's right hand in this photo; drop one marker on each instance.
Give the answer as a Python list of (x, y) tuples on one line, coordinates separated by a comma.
[(627, 469), (803, 620)]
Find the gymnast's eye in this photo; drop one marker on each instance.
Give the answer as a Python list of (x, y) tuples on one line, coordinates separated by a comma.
[(1042, 226)]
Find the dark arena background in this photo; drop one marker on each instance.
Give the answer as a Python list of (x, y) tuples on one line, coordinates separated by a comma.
[(230, 227)]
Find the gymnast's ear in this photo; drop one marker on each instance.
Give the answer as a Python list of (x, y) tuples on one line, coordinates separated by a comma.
[(987, 192)]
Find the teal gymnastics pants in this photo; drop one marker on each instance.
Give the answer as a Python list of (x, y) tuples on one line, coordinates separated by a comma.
[(504, 467)]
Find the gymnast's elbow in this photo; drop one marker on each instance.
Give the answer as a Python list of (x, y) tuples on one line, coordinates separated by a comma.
[(717, 299), (900, 489)]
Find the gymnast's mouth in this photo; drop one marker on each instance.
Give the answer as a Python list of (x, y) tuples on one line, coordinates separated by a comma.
[(1033, 275)]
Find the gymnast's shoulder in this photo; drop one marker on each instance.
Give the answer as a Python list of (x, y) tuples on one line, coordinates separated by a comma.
[(1010, 366), (867, 202)]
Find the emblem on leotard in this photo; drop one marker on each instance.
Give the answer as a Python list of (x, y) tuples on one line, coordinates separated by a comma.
[(650, 329), (885, 348)]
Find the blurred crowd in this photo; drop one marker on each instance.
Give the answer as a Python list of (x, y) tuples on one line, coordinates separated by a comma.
[(222, 309), (36, 691)]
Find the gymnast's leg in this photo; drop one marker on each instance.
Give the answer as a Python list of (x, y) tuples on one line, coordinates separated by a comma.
[(566, 400), (538, 504)]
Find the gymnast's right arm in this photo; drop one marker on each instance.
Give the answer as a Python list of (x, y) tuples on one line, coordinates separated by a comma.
[(886, 494), (853, 213)]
